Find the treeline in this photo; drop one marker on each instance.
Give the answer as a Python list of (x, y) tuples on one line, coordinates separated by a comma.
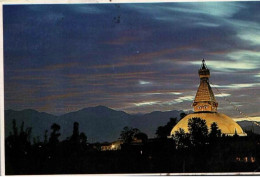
[(203, 149), (25, 157)]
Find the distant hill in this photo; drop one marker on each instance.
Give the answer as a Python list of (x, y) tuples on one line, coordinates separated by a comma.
[(99, 123), (149, 123), (40, 121), (248, 125)]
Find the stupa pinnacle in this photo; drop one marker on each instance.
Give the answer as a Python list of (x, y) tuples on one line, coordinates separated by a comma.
[(204, 99)]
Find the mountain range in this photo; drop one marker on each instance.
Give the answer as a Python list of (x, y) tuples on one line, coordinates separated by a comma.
[(100, 123)]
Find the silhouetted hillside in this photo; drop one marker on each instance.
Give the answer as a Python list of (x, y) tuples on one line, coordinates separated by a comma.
[(148, 123), (99, 123), (248, 125), (40, 121)]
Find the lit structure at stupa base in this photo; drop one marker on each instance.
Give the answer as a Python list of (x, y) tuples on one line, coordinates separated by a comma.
[(205, 107)]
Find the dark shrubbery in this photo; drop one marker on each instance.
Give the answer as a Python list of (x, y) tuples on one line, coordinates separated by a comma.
[(201, 150)]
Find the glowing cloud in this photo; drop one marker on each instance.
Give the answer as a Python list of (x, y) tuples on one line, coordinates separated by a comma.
[(237, 86), (247, 119), (144, 82), (222, 95), (149, 103), (180, 99), (228, 65)]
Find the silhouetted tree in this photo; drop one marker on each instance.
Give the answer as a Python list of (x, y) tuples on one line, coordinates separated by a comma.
[(75, 135), (18, 148), (181, 138), (141, 136), (128, 133), (164, 131), (235, 135), (45, 141), (182, 115), (198, 131), (83, 138), (15, 131), (54, 138), (215, 132)]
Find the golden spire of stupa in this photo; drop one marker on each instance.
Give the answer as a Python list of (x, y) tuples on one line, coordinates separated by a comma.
[(204, 100)]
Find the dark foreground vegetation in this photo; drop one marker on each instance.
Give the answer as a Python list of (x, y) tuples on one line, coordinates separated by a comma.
[(202, 150)]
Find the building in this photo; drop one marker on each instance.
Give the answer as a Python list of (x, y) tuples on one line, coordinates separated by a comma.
[(205, 107), (116, 145)]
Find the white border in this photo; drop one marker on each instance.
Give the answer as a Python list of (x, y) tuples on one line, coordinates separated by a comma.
[(2, 147), (101, 1), (2, 136)]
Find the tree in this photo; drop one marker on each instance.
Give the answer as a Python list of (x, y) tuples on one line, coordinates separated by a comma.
[(215, 132), (164, 131), (75, 135), (128, 133), (182, 115), (83, 138), (198, 131), (45, 137), (141, 136), (181, 138), (15, 131), (18, 147), (54, 138)]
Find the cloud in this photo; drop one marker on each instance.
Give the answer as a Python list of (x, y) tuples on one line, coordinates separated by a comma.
[(228, 66), (237, 86), (180, 99), (77, 55), (257, 119), (140, 59), (207, 24), (144, 82), (146, 103), (217, 9), (222, 95), (257, 75), (161, 93), (249, 58), (88, 9), (52, 67)]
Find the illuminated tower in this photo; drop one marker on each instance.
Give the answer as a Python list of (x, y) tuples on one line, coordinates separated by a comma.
[(204, 99)]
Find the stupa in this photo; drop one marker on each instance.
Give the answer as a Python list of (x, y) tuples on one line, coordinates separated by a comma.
[(205, 107)]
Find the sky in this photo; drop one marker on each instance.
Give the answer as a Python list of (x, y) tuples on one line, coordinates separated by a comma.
[(137, 58)]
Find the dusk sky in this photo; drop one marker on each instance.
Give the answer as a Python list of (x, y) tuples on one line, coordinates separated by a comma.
[(137, 58)]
